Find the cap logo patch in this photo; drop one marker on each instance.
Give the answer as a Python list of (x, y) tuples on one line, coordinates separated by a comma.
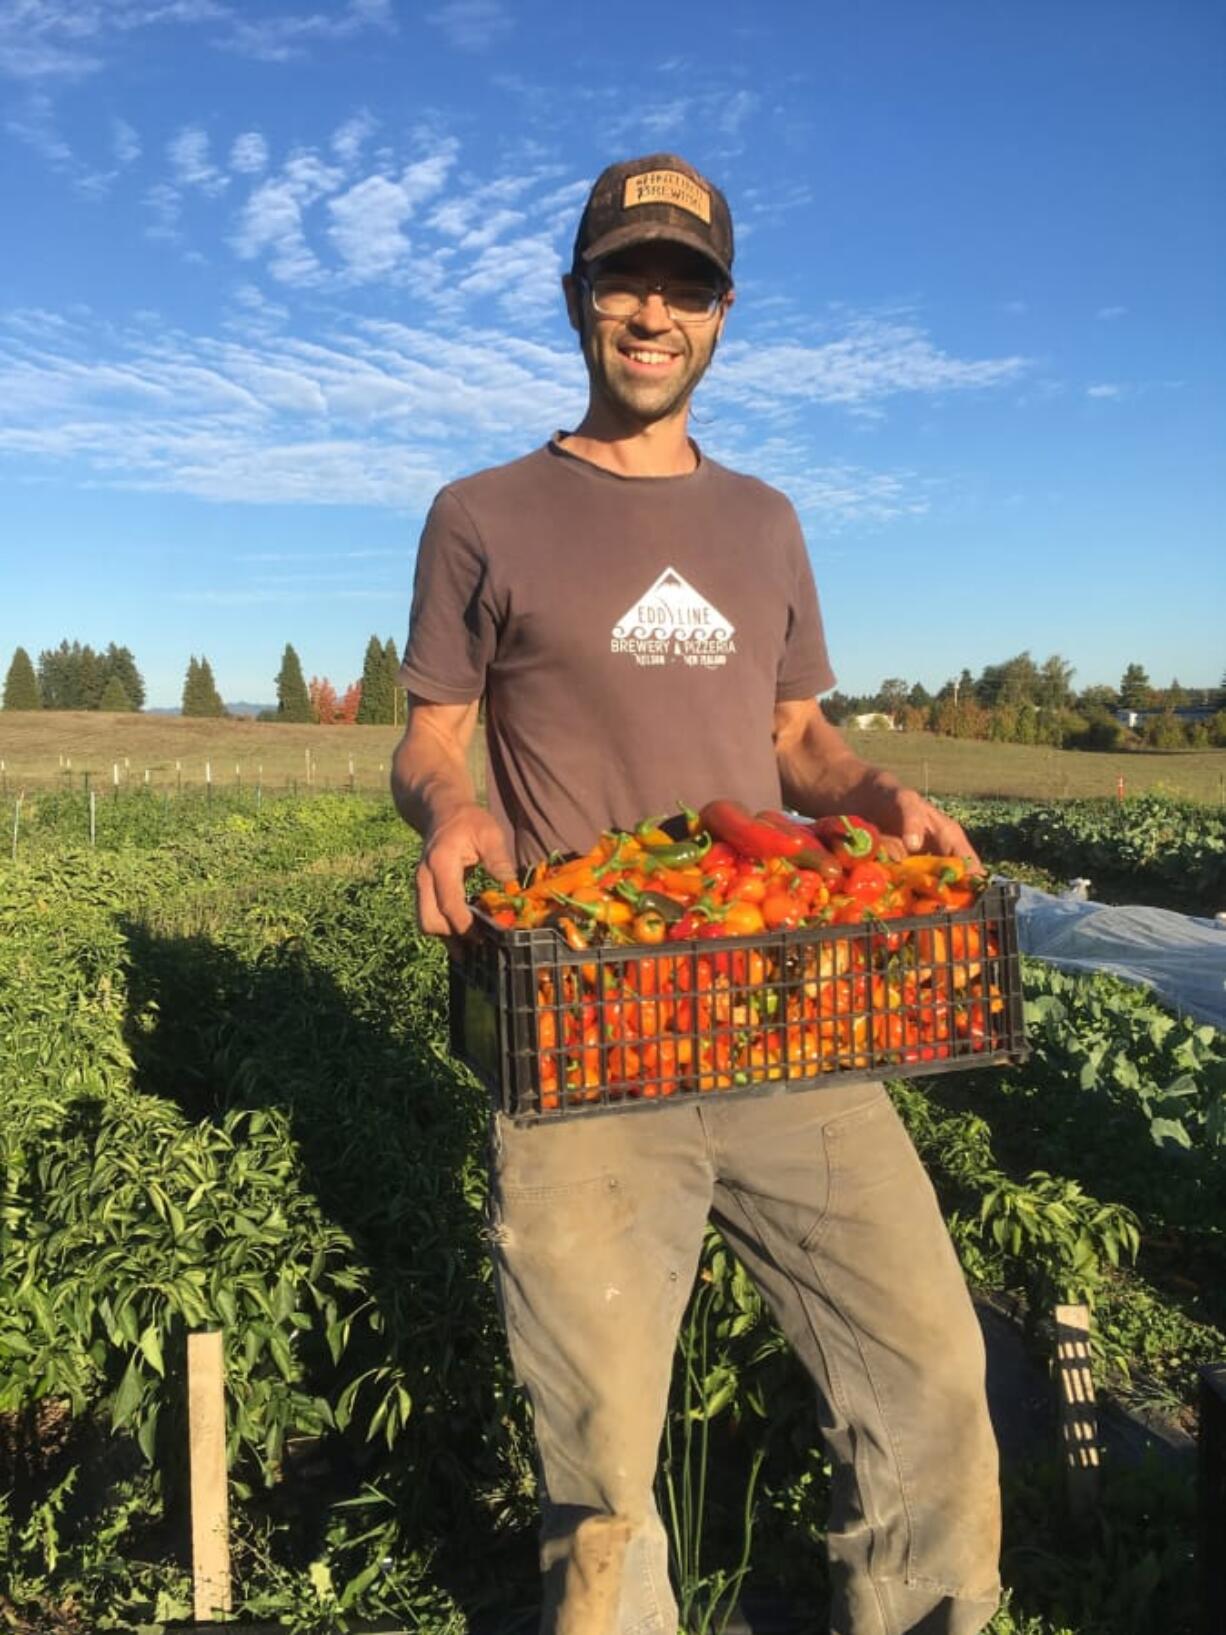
[(667, 187)]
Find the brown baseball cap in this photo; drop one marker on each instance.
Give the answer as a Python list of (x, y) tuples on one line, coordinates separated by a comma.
[(658, 197)]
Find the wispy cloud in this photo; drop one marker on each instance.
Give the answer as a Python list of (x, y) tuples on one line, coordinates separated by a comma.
[(380, 414), (125, 143), (70, 39), (348, 139), (871, 361), (249, 153), (188, 153), (289, 36), (365, 223), (33, 122), (272, 218), (472, 25), (1109, 313), (367, 227), (67, 39), (1106, 389)]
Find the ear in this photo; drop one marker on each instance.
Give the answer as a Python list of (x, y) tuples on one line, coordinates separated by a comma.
[(729, 298), (574, 302)]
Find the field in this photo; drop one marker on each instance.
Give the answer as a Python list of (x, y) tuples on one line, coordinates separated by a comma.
[(226, 1100), (36, 746)]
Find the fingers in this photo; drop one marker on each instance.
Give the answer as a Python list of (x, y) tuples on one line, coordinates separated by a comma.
[(469, 837), (440, 918)]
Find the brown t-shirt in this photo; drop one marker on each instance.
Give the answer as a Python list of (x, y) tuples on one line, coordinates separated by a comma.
[(631, 637)]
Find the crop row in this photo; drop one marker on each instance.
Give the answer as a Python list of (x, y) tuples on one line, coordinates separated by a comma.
[(226, 1099), (1146, 849)]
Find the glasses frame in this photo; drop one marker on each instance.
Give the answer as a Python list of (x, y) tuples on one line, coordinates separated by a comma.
[(652, 287)]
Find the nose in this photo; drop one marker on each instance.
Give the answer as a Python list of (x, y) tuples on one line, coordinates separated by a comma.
[(652, 315)]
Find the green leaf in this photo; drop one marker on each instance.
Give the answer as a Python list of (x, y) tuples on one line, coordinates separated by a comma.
[(127, 1398), (151, 1350), (1169, 1132)]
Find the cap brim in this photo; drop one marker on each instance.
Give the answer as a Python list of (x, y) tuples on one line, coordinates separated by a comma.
[(621, 238)]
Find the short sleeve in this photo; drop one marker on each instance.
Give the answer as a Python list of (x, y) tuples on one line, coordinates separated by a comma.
[(804, 667), (453, 624)]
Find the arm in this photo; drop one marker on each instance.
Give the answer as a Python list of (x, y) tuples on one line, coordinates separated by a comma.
[(820, 775), (434, 793)]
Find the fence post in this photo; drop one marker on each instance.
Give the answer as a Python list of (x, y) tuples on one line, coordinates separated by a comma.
[(1078, 1409), (17, 821), (93, 818), (206, 1413), (208, 779)]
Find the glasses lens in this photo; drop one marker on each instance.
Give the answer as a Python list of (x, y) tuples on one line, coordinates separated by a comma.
[(689, 301), (618, 297)]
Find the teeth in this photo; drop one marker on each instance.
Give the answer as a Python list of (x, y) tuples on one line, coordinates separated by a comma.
[(650, 357)]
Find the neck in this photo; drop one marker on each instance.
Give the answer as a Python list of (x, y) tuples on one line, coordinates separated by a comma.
[(661, 448)]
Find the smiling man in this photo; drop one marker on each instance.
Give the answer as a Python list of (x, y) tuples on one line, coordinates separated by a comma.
[(642, 624)]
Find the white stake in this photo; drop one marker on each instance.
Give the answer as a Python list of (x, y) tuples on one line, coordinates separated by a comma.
[(208, 772), (17, 821), (206, 1418), (115, 774)]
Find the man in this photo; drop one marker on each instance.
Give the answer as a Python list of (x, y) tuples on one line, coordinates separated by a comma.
[(643, 626)]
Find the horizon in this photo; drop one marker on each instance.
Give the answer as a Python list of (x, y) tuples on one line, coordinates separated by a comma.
[(281, 279)]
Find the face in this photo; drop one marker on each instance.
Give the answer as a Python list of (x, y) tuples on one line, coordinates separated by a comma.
[(646, 366)]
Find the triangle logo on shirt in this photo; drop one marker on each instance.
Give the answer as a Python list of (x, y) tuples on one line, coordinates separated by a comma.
[(672, 623), (672, 610)]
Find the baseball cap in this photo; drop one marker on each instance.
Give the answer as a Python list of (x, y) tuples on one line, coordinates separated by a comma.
[(661, 196)]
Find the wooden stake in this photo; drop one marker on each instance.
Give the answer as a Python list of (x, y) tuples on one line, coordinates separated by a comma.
[(1078, 1412), (206, 1411)]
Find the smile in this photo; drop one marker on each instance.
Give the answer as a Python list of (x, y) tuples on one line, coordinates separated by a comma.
[(648, 355)]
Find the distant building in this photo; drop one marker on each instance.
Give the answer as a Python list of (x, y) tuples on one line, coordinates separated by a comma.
[(1190, 714), (875, 721)]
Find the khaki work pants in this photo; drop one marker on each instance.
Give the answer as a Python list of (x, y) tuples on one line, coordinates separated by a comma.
[(597, 1224)]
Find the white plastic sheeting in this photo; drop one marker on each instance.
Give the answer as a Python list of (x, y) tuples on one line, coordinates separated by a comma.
[(1181, 958)]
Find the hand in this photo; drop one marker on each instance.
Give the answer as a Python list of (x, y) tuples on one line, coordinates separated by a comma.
[(909, 823), (468, 836)]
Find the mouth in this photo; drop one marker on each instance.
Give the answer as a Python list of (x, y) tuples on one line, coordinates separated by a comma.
[(649, 360)]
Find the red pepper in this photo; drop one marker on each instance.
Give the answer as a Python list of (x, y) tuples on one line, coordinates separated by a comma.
[(846, 836), (810, 853), (866, 882), (764, 836)]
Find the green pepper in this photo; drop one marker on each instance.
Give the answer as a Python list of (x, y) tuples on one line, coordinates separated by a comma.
[(668, 908), (678, 853)]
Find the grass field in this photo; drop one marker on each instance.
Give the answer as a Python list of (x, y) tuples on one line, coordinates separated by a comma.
[(49, 748), (46, 748)]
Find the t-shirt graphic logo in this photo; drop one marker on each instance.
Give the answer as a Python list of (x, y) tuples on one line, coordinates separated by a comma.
[(672, 623)]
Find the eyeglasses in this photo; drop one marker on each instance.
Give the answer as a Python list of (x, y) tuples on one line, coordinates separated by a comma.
[(620, 295)]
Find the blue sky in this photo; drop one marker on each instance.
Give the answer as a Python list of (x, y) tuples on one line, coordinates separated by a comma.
[(273, 273)]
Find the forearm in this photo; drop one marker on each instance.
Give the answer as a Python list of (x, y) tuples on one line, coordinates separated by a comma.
[(820, 775), (430, 778)]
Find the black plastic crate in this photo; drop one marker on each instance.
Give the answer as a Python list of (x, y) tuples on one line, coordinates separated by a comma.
[(558, 1032)]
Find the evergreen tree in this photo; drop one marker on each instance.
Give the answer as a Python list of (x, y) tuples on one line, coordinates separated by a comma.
[(21, 684), (90, 680), (391, 657), (1135, 690), (119, 662), (919, 697), (378, 693), (200, 695), (293, 700), (114, 696), (59, 676)]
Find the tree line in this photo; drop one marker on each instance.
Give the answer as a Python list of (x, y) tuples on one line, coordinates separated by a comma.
[(1020, 701), (73, 676)]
